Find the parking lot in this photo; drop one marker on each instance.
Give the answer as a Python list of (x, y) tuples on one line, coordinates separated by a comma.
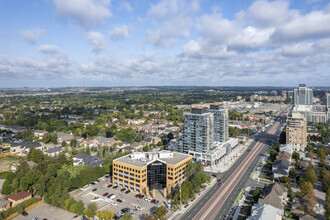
[(46, 211), (88, 194)]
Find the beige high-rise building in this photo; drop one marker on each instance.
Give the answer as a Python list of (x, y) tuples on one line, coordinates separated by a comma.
[(296, 131)]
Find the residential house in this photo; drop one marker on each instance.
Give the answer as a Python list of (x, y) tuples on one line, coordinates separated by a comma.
[(280, 168), (304, 164), (25, 147), (287, 148), (4, 204), (283, 155), (128, 148), (87, 160), (275, 195), (137, 145), (265, 212), (64, 137), (102, 141), (122, 145), (40, 133), (18, 198), (52, 152)]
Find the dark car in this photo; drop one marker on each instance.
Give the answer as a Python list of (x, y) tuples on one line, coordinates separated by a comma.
[(110, 185), (123, 189), (105, 194), (156, 202), (124, 210), (214, 176), (93, 190), (107, 176), (25, 214), (141, 196), (97, 181), (128, 191), (115, 187), (93, 183), (137, 196), (119, 200), (153, 201)]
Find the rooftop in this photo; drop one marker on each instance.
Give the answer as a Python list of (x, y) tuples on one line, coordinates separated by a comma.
[(18, 196), (141, 159), (3, 202)]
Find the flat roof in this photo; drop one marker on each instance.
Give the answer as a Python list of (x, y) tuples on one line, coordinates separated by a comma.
[(177, 158)]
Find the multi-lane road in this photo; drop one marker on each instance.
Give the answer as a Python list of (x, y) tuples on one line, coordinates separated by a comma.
[(216, 203)]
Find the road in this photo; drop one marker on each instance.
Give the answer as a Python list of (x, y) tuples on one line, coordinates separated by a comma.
[(216, 203)]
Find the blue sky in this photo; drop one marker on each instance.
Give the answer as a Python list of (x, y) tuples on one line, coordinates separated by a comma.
[(57, 43)]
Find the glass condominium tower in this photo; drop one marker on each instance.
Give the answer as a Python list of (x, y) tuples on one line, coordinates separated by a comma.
[(220, 122), (303, 95), (198, 131)]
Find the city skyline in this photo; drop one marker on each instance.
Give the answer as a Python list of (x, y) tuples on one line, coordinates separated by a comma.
[(57, 43)]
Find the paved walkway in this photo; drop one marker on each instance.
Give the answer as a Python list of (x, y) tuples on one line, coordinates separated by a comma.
[(229, 159)]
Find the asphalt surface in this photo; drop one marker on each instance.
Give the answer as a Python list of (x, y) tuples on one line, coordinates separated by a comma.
[(226, 205)]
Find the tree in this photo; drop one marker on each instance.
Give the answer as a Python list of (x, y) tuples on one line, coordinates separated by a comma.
[(307, 188), (79, 209), (295, 155), (91, 210), (311, 154), (63, 143), (310, 175), (73, 143), (126, 216), (105, 215), (292, 172), (161, 211), (6, 189)]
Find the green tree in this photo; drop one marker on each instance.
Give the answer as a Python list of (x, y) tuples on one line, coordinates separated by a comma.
[(91, 210), (79, 209), (161, 211), (307, 188), (6, 189), (293, 172), (63, 143), (126, 216), (105, 215), (310, 175), (73, 143), (295, 155), (20, 208)]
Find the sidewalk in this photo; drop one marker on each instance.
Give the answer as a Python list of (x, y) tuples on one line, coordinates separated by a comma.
[(183, 210), (256, 173), (229, 160)]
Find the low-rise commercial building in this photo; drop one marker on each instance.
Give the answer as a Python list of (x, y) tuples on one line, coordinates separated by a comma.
[(19, 197), (143, 172)]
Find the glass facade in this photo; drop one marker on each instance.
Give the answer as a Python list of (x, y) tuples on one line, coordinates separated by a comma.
[(156, 175)]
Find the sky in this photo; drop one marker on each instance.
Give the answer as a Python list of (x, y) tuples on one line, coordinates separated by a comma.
[(60, 43)]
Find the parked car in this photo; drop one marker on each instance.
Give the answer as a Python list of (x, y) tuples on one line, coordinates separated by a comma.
[(92, 183), (114, 204), (119, 200), (153, 201), (115, 187), (113, 196), (123, 189), (109, 186), (120, 213), (124, 210), (105, 194), (219, 180), (25, 214), (138, 208), (93, 190), (141, 196), (127, 191), (156, 202), (35, 218), (137, 196)]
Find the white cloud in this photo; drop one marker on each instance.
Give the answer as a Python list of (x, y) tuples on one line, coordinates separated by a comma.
[(264, 13), (251, 37), (127, 6), (49, 49), (174, 19), (309, 26), (97, 40), (119, 33), (87, 13), (216, 28), (32, 36)]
